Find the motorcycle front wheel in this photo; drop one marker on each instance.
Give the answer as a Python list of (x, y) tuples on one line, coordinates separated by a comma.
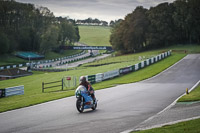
[(79, 105), (95, 106)]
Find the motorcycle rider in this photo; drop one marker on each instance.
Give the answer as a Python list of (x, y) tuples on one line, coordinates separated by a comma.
[(88, 86)]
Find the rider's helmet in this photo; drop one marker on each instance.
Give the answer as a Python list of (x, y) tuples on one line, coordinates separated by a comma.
[(82, 79)]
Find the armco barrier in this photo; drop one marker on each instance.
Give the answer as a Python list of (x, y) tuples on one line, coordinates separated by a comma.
[(91, 78), (139, 65), (142, 64), (136, 66), (126, 70), (16, 90), (2, 93), (99, 77), (110, 74), (147, 62), (133, 68), (48, 70), (159, 57), (152, 60), (156, 59)]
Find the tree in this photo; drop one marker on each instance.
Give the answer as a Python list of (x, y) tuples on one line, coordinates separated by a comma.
[(194, 20), (112, 23), (25, 39), (116, 38), (131, 32), (134, 39), (49, 39), (77, 36), (4, 43), (68, 33), (161, 28), (180, 20), (27, 27)]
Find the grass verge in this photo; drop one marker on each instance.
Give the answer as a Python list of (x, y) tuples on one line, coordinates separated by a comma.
[(192, 96), (182, 127)]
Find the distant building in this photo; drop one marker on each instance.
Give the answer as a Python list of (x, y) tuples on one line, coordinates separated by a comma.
[(13, 73)]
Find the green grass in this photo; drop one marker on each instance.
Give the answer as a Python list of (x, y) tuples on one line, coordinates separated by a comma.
[(182, 127), (10, 60), (33, 84), (190, 48), (192, 96), (95, 35)]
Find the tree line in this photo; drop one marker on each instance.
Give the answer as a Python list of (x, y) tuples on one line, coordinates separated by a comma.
[(25, 27), (90, 21), (160, 26)]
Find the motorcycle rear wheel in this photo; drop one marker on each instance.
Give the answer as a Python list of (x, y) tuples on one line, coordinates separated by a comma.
[(79, 107)]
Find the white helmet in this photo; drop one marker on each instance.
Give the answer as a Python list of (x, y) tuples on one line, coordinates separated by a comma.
[(82, 79)]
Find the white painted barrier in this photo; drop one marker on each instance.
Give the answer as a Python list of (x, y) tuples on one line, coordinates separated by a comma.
[(152, 60), (16, 90), (163, 55), (147, 62), (126, 70), (166, 54), (142, 64), (159, 57), (169, 52), (136, 67), (99, 77), (110, 74)]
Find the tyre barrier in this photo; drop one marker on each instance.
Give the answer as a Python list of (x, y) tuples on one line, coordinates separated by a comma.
[(41, 62), (71, 61), (48, 70)]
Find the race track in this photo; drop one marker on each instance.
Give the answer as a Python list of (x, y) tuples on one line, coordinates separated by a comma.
[(119, 108)]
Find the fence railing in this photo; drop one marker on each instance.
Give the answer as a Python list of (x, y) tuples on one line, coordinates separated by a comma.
[(53, 86)]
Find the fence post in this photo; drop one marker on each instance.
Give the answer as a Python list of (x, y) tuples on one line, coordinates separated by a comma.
[(42, 87), (62, 84)]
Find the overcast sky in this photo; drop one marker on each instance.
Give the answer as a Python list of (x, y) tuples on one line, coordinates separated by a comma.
[(102, 9)]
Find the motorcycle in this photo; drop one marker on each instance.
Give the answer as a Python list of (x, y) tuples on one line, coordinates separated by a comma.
[(84, 100)]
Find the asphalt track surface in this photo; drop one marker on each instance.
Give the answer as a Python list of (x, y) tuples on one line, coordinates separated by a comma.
[(119, 108)]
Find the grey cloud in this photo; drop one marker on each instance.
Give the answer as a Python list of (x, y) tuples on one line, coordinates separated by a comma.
[(80, 9)]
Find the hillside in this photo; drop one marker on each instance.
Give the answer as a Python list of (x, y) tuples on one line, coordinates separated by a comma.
[(95, 35)]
